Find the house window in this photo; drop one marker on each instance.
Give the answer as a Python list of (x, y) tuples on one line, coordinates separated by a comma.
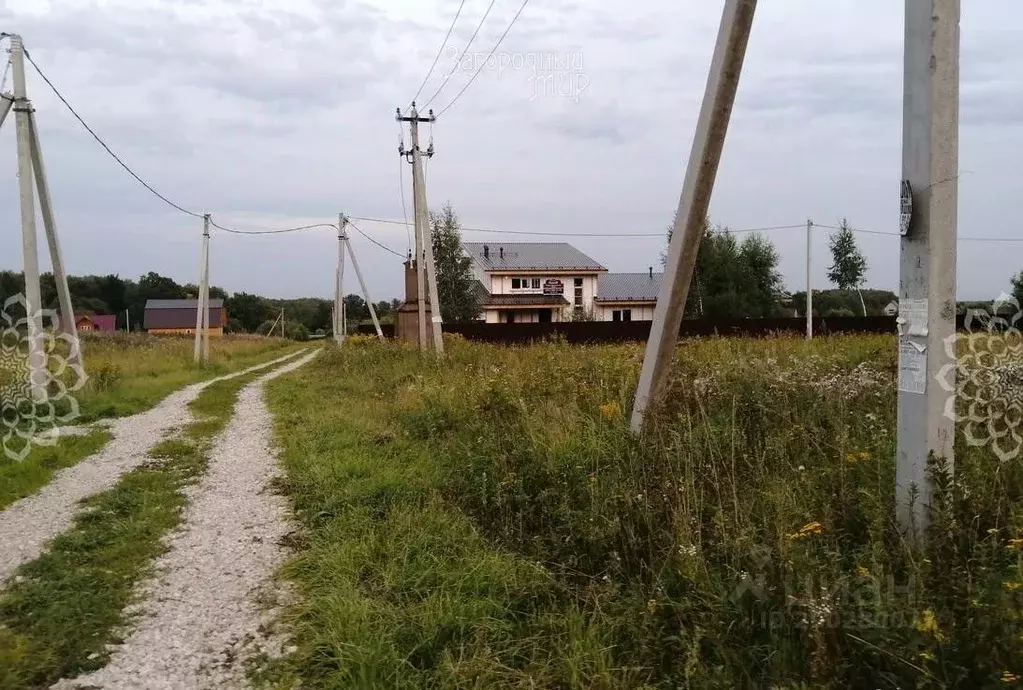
[(536, 283), (626, 315), (578, 282), (616, 315), (509, 316), (516, 284), (578, 297)]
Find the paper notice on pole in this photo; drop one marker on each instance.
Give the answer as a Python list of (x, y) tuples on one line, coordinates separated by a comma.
[(912, 368), (913, 316)]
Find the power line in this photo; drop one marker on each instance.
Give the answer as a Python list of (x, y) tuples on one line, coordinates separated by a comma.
[(102, 143), (482, 64), (439, 50), (273, 232), (581, 234), (382, 246), (895, 234), (464, 51)]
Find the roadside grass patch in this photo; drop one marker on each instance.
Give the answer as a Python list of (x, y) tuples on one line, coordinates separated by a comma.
[(61, 611), (19, 479), (487, 520)]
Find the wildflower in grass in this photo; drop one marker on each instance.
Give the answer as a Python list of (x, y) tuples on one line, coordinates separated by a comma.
[(1008, 677), (651, 606), (927, 656), (1014, 544), (1013, 586), (862, 572), (806, 530), (610, 410), (928, 624)]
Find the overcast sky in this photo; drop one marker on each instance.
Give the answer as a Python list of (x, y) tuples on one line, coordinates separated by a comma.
[(271, 113)]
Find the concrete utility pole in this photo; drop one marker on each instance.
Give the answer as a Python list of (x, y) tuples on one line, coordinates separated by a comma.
[(722, 84), (424, 244), (809, 281), (927, 282), (30, 255), (200, 350), (362, 283), (31, 170), (339, 275)]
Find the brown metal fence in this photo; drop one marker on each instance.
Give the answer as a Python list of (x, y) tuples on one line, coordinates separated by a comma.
[(596, 332)]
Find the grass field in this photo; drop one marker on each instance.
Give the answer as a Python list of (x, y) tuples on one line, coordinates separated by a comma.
[(126, 375), (489, 522)]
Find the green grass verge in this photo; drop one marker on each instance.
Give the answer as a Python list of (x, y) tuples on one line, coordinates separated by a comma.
[(489, 521), (19, 479), (64, 608)]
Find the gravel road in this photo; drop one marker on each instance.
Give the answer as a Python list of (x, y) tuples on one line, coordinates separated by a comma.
[(27, 525), (201, 617)]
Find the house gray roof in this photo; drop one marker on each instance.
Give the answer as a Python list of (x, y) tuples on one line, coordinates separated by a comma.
[(628, 287), (529, 256), (215, 303)]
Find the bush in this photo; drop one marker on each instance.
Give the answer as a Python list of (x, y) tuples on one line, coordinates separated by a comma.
[(298, 332)]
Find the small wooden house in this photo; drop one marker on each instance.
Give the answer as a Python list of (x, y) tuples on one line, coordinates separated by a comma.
[(177, 316)]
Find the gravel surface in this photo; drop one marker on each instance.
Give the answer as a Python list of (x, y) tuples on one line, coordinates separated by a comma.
[(202, 618), (27, 525)]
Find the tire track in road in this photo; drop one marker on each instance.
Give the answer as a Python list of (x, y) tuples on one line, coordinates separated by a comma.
[(201, 614), (29, 524)]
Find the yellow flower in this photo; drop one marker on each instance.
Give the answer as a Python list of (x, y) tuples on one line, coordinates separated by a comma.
[(807, 530), (1013, 586), (610, 410), (651, 606), (927, 656), (928, 624), (1014, 544), (1008, 677), (862, 572)]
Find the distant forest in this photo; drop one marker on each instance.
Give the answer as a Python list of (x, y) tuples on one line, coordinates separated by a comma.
[(246, 313)]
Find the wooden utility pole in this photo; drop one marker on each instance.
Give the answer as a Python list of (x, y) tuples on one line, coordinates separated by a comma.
[(31, 171), (722, 84), (426, 275), (200, 351), (927, 280)]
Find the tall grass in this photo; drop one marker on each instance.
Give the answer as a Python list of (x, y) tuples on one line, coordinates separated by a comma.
[(488, 521)]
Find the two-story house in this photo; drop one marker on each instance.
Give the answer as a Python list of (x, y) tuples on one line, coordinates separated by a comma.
[(531, 282)]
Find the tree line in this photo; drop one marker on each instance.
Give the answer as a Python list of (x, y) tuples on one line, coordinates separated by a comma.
[(247, 313)]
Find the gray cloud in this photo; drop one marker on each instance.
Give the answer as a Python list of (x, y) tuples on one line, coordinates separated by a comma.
[(278, 112)]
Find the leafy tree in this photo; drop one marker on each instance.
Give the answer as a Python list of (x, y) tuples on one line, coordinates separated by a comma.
[(849, 266), (247, 310), (1017, 288), (733, 278), (298, 332), (459, 300)]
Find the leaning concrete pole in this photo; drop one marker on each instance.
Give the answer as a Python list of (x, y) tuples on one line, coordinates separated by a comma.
[(67, 314), (722, 84), (927, 281), (30, 254)]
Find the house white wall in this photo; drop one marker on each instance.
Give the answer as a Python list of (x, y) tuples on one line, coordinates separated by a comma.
[(501, 284), (642, 311)]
